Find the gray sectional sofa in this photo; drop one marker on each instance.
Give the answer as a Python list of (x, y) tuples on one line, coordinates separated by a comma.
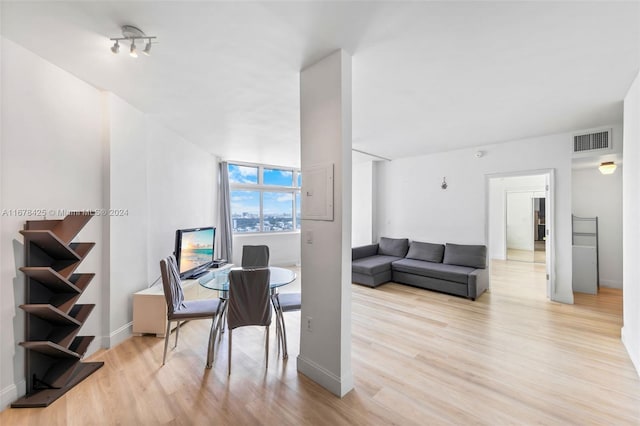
[(452, 268)]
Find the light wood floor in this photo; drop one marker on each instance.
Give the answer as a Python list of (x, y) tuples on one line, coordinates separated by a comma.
[(537, 256), (419, 358)]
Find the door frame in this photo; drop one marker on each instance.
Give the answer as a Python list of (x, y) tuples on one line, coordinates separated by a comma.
[(550, 245)]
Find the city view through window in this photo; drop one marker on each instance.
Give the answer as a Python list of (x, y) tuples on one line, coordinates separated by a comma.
[(264, 199)]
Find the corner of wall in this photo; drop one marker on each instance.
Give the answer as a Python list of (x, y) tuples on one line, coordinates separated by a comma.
[(324, 377), (11, 393), (635, 357), (566, 298)]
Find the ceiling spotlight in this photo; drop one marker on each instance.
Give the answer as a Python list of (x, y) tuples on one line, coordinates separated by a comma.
[(607, 168), (147, 48), (131, 33), (133, 52)]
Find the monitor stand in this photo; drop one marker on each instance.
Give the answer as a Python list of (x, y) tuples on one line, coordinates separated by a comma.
[(218, 263)]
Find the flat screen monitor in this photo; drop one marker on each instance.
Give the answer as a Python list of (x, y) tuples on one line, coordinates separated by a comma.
[(194, 250)]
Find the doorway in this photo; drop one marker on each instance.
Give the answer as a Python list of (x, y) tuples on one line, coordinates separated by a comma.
[(539, 229), (519, 229)]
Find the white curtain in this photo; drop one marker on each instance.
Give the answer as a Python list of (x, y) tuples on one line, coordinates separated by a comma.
[(225, 231)]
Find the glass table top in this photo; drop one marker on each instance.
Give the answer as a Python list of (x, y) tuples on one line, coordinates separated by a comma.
[(218, 279)]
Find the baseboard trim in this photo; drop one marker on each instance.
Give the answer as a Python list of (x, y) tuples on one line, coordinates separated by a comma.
[(325, 378), (11, 393), (118, 336), (611, 284), (635, 360)]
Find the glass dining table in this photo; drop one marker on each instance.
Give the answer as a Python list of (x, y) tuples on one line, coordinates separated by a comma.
[(218, 279)]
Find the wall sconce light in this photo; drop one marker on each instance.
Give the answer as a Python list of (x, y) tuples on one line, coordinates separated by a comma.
[(131, 33), (607, 168), (444, 185)]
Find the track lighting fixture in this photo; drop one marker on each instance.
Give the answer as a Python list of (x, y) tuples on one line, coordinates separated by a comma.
[(147, 49), (131, 33)]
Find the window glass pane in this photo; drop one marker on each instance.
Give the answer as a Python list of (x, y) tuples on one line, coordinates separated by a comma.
[(277, 210), (243, 174), (245, 211), (298, 214), (278, 177), (299, 179)]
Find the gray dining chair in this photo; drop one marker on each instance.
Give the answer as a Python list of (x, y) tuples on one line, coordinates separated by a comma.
[(180, 310), (285, 302), (255, 256), (249, 303)]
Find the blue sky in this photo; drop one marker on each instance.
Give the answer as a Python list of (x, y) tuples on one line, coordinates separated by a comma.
[(243, 174), (278, 177), (249, 174), (249, 201)]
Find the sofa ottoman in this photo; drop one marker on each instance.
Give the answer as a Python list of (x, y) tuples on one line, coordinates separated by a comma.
[(371, 264)]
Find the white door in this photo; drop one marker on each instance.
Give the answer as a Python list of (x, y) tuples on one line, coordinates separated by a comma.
[(519, 220)]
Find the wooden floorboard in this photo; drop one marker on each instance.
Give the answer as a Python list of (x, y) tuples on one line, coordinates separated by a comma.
[(419, 357)]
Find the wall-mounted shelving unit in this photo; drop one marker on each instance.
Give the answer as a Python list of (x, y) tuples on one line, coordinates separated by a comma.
[(53, 319)]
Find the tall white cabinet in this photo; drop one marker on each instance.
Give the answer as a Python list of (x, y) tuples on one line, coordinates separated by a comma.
[(586, 269)]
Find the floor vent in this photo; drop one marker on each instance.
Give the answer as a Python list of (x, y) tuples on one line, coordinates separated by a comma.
[(594, 141)]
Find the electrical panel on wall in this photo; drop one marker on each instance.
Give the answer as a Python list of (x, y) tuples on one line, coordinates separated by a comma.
[(317, 192)]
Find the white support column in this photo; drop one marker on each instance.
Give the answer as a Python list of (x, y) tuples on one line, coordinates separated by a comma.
[(325, 113)]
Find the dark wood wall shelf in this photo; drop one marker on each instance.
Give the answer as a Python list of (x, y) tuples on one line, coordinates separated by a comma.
[(53, 319)]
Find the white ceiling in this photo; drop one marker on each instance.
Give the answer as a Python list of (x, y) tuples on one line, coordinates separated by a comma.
[(427, 76)]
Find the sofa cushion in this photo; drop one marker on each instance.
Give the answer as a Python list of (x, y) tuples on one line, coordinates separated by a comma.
[(465, 255), (393, 246), (426, 251), (373, 265), (459, 274)]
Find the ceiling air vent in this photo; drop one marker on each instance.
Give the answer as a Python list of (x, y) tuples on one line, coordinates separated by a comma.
[(594, 141)]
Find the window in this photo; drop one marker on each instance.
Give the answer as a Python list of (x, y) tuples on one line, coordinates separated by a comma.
[(264, 198), (245, 211)]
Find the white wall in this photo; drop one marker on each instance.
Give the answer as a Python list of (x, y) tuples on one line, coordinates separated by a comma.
[(284, 248), (165, 183), (51, 159), (127, 233), (182, 186), (631, 227), (498, 188), (412, 205), (66, 145), (362, 203), (595, 194)]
